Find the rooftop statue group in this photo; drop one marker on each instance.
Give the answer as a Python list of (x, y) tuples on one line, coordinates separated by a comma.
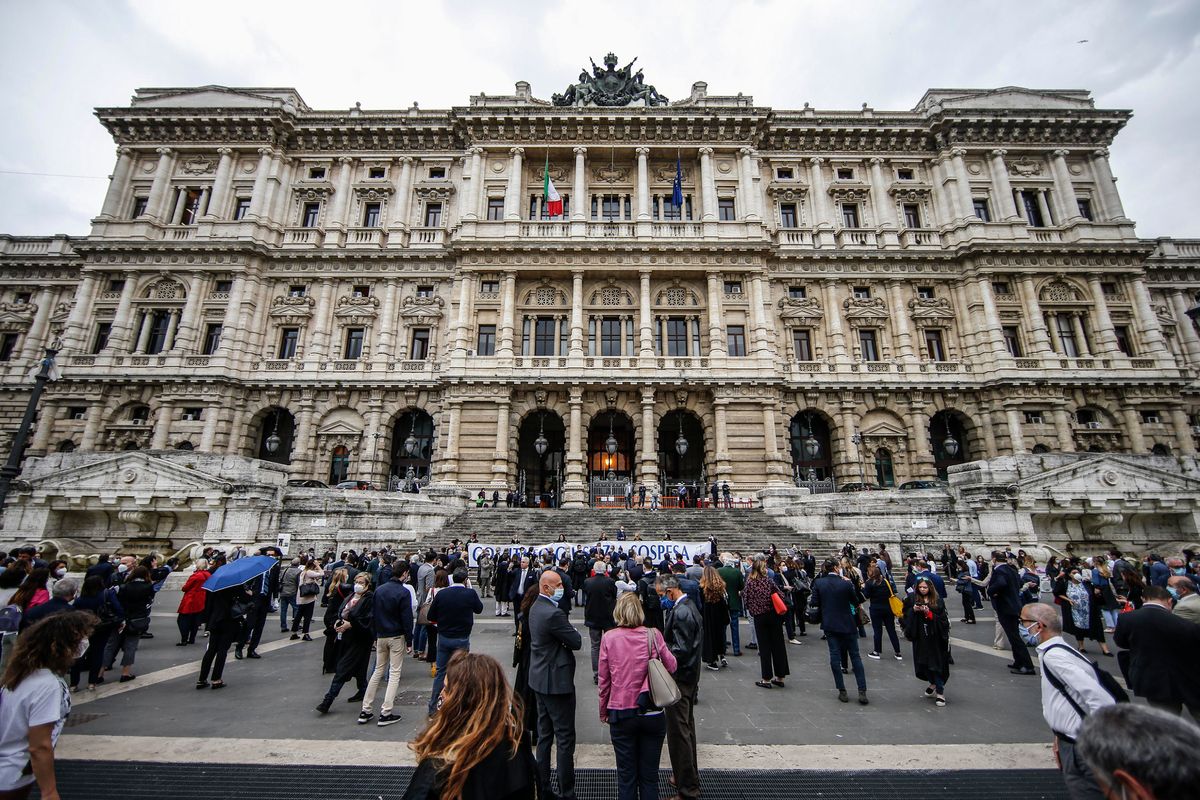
[(609, 87)]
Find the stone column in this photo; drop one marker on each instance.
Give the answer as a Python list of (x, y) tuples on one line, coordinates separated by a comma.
[(500, 454), (579, 202), (885, 210), (649, 471), (943, 202), (645, 320), (1183, 431), (1068, 203), (212, 416), (463, 322), (230, 319), (258, 195), (760, 347), (576, 350), (1062, 428), (1147, 320), (746, 185), (1077, 325), (820, 198), (1133, 429), (1016, 436), (75, 334), (1107, 185), (117, 184), (172, 327), (320, 335), (833, 321), (1183, 324), (1106, 341), (1005, 206), (341, 194), (282, 171), (995, 333), (1055, 338), (1044, 207), (221, 182), (922, 451), (472, 195), (1039, 337), (716, 343), (507, 310), (403, 195), (157, 201), (162, 426), (708, 187), (35, 339), (305, 458), (574, 489), (178, 206), (48, 416), (512, 192), (188, 322), (904, 339), (91, 428), (120, 337), (643, 184), (720, 417), (771, 440), (963, 186), (385, 342)]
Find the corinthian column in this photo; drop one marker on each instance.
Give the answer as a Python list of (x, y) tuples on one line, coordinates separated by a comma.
[(512, 193), (643, 183), (1107, 184), (117, 184), (156, 203), (221, 181), (579, 202), (476, 186), (708, 187), (1006, 207), (1068, 203)]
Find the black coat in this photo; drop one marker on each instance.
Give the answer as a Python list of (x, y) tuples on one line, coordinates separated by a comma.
[(498, 776), (929, 632), (1164, 650), (553, 642), (1005, 590), (600, 593)]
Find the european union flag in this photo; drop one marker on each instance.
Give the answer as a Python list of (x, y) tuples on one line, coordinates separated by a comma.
[(677, 188)]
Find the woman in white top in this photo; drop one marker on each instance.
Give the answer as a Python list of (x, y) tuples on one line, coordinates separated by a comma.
[(310, 581), (624, 584), (35, 701)]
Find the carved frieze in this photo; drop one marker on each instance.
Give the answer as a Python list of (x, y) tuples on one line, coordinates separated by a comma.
[(611, 174), (850, 194), (373, 191), (801, 310), (865, 311), (422, 307), (930, 311), (787, 192), (435, 191), (1025, 167), (355, 310), (290, 310), (200, 165)]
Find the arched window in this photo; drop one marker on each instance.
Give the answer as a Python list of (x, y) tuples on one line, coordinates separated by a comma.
[(139, 414), (66, 446), (1040, 449), (184, 446), (1160, 449), (339, 465), (885, 476)]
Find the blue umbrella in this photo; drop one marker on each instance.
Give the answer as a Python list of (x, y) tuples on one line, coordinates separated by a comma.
[(238, 572)]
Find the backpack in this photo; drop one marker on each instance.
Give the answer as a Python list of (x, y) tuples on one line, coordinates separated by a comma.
[(10, 619), (106, 613), (1103, 677)]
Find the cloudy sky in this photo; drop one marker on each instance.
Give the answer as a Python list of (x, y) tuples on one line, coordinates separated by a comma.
[(59, 60)]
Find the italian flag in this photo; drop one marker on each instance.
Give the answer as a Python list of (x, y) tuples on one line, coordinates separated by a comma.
[(549, 194)]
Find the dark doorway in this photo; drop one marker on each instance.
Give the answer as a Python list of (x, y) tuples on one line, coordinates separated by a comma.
[(601, 463), (412, 445), (541, 473), (948, 435), (687, 469), (277, 430), (808, 432)]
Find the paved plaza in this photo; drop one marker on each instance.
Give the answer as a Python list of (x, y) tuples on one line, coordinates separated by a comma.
[(265, 716)]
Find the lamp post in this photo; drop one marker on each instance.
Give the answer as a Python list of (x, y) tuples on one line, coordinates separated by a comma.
[(857, 438), (47, 371), (540, 445)]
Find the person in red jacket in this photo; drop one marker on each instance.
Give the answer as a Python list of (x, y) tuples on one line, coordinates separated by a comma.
[(191, 607)]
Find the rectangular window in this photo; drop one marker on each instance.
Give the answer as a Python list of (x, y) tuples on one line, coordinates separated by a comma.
[(784, 173), (677, 341), (425, 291), (140, 204), (845, 174), (361, 291), (610, 336), (1012, 340), (311, 215), (495, 208), (925, 292), (787, 215), (802, 343), (289, 339), (610, 207), (862, 292), (912, 215), (733, 287), (297, 290), (1124, 342), (420, 344), (241, 207), (371, 214), (437, 173), (1086, 416), (377, 173), (1001, 287), (223, 286), (735, 338), (849, 215), (433, 215), (1034, 417), (485, 342), (904, 174), (664, 208), (543, 336), (159, 323), (116, 284), (1108, 289), (77, 412), (316, 174), (933, 345), (1085, 208), (489, 287), (8, 343), (1151, 417), (212, 338), (354, 343), (1029, 205), (797, 292), (103, 331), (725, 209), (192, 413), (191, 206), (980, 206), (1066, 335), (866, 341)]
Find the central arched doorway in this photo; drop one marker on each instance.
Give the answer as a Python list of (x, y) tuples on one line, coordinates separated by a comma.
[(276, 433), (412, 448), (611, 460), (812, 451), (681, 430), (540, 475), (949, 437)]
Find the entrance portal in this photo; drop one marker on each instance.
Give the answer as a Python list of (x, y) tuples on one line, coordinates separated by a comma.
[(540, 475), (412, 447), (681, 431)]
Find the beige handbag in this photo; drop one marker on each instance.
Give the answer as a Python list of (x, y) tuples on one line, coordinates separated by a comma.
[(663, 689)]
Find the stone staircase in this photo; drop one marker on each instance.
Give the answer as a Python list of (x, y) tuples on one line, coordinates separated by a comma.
[(744, 530)]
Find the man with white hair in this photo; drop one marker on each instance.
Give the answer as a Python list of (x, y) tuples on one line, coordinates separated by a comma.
[(1140, 752)]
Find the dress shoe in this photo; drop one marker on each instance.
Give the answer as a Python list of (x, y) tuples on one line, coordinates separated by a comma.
[(252, 654), (237, 653), (147, 635), (355, 698), (323, 707), (1024, 671)]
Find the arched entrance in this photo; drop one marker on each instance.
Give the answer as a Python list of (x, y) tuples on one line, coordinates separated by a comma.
[(949, 436), (812, 449), (611, 458), (412, 446), (276, 434), (681, 430), (540, 475)]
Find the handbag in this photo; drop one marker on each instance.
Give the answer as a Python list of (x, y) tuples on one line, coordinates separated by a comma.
[(310, 589), (423, 613), (812, 613), (778, 604), (863, 617), (895, 603), (664, 691)]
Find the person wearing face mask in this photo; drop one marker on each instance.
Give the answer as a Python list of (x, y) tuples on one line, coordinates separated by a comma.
[(453, 612), (1187, 601), (1163, 652), (553, 644), (35, 702), (1085, 610), (356, 634), (1071, 691)]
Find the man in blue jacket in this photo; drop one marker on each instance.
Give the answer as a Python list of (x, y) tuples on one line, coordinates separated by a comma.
[(834, 595), (392, 620)]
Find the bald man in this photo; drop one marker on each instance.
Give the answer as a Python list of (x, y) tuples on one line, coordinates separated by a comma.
[(553, 642), (1187, 601), (1070, 691)]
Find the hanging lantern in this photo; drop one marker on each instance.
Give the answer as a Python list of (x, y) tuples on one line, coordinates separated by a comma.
[(610, 444), (681, 444), (411, 443), (951, 446), (540, 444), (811, 446), (273, 440)]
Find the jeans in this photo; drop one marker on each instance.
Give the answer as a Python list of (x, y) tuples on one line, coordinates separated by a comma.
[(654, 503), (881, 619), (556, 726), (845, 643), (420, 637), (286, 602), (734, 632), (637, 742), (1110, 617), (446, 646), (681, 740), (389, 661)]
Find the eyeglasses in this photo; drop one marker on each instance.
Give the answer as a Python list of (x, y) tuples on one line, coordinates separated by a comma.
[(1029, 621)]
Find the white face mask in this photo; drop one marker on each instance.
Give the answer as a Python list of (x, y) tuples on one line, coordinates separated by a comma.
[(122, 568), (359, 588), (60, 572), (82, 648)]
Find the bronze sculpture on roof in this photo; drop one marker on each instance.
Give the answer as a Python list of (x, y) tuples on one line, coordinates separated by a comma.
[(609, 87)]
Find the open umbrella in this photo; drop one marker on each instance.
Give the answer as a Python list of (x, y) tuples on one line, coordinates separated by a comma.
[(238, 572)]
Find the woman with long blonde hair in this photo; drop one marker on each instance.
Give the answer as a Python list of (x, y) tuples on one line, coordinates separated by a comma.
[(472, 748)]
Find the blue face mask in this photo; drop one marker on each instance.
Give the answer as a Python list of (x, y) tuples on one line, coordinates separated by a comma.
[(558, 594), (1030, 639), (667, 603), (1177, 570), (1173, 592)]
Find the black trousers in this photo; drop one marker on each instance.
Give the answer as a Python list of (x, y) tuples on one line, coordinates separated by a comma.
[(772, 652), (302, 619), (968, 599), (93, 659), (884, 618), (220, 637), (681, 739), (189, 625), (556, 725), (256, 619), (1009, 623), (638, 742)]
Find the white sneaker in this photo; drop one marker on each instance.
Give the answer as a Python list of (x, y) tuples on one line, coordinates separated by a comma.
[(873, 655), (795, 641), (899, 657)]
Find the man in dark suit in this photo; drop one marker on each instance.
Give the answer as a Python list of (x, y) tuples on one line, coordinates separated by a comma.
[(564, 572), (521, 579), (683, 632), (834, 595), (601, 593), (1164, 650), (553, 641), (1004, 589)]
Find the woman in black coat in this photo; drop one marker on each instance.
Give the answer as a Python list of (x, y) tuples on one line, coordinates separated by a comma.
[(928, 628), (521, 651), (226, 611), (715, 614), (357, 640), (339, 590), (502, 584), (135, 597)]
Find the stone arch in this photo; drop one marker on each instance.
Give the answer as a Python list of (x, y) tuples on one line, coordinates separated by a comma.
[(953, 423), (1061, 289), (162, 288), (277, 420), (824, 429)]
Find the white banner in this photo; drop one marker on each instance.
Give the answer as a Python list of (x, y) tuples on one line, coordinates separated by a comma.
[(656, 550)]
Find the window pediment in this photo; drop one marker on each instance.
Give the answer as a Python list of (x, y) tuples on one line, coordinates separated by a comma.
[(806, 309), (422, 307)]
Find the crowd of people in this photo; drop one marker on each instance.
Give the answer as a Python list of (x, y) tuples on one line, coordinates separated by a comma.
[(652, 629)]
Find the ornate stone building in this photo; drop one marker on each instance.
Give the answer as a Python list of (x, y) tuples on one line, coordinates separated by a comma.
[(840, 296)]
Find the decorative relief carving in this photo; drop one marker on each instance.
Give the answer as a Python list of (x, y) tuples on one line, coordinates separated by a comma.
[(849, 194), (665, 173), (435, 192), (557, 173), (931, 311), (423, 307), (611, 174), (292, 310), (1025, 167), (1059, 292), (787, 191), (356, 310), (804, 309), (199, 166), (865, 312), (165, 289)]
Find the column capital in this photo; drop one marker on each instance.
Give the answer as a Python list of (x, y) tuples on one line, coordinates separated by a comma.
[(576, 396), (163, 151), (579, 151), (475, 151), (746, 151), (516, 151), (345, 159), (999, 152), (402, 160), (648, 393), (224, 151), (958, 152), (816, 161), (1100, 152), (642, 151), (266, 151), (1060, 153), (577, 274), (877, 161), (124, 150), (705, 151), (645, 274)]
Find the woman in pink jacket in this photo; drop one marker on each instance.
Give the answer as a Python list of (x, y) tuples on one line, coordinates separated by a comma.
[(636, 725)]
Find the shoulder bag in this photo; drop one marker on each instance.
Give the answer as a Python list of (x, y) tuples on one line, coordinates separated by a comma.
[(663, 689), (895, 603), (813, 612), (777, 602)]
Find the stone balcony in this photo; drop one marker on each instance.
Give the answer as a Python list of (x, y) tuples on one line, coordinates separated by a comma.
[(626, 230)]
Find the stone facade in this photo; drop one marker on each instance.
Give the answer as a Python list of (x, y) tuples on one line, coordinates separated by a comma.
[(871, 284)]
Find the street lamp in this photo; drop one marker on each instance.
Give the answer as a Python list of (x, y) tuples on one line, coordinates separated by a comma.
[(411, 443), (273, 440), (47, 371), (681, 444), (610, 444), (540, 444), (950, 444)]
